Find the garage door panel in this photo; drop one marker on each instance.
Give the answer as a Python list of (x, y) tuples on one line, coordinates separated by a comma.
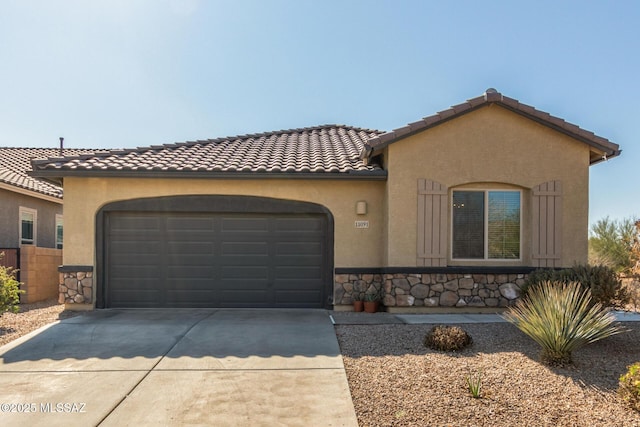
[(186, 224), (300, 225), (134, 222), (195, 283), (297, 298), (192, 246), (193, 299), (299, 248), (306, 286), (246, 298), (139, 272), (245, 273), (244, 225), (125, 259), (298, 272), (216, 260), (188, 261), (301, 260), (128, 245), (245, 248), (243, 261), (191, 273), (140, 283), (135, 299), (244, 285)]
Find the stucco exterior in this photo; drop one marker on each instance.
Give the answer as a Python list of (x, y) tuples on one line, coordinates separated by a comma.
[(10, 219), (491, 148), (353, 247)]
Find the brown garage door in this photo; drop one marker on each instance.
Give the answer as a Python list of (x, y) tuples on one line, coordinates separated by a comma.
[(205, 259)]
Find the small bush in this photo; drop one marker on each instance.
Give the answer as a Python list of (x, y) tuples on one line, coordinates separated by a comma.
[(629, 389), (9, 291), (561, 318), (603, 282), (447, 338)]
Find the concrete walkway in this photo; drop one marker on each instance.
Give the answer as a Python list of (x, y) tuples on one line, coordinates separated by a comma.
[(351, 318), (178, 367)]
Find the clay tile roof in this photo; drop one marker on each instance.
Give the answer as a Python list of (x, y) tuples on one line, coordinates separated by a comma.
[(15, 165), (601, 147), (321, 149)]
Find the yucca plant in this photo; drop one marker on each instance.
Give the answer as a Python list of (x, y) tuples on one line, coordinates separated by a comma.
[(561, 318), (474, 385)]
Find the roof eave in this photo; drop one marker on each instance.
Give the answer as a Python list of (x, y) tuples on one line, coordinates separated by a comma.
[(29, 192), (376, 145), (58, 175)]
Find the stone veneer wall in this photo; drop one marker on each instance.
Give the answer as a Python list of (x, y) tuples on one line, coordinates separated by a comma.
[(432, 289), (76, 285)]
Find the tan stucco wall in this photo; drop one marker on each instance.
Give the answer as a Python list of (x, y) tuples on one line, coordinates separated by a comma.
[(488, 147), (353, 247)]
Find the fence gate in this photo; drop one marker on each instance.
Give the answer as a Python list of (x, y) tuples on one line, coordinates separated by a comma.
[(11, 258)]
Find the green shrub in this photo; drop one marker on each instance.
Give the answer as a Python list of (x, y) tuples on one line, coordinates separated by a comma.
[(9, 290), (603, 282), (629, 388), (447, 338), (561, 318)]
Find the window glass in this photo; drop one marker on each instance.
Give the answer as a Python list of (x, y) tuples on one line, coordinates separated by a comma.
[(468, 224), (504, 225), (59, 230), (486, 225), (27, 223)]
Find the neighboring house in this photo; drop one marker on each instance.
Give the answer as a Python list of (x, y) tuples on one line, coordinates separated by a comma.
[(31, 222), (450, 211)]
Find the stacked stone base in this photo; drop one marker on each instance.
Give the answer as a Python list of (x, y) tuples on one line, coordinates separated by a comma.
[(432, 289), (76, 287)]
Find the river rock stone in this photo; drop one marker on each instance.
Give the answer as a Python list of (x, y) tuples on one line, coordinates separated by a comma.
[(448, 299), (510, 291), (420, 291)]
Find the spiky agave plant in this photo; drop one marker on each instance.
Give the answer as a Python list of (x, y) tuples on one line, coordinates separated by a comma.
[(561, 318)]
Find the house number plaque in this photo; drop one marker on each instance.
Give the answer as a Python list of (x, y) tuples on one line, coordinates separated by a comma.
[(362, 224)]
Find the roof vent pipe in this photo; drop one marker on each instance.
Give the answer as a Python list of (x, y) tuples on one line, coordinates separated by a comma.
[(61, 146)]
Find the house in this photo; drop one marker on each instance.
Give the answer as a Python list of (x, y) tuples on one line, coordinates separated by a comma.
[(31, 222), (453, 210)]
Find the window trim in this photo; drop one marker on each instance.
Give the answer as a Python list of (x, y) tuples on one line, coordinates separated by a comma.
[(59, 221), (485, 259), (34, 212)]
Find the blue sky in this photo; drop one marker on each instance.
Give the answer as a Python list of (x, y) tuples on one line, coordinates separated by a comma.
[(127, 73)]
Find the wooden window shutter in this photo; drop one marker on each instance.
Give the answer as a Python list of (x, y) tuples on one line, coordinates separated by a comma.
[(432, 224), (547, 224)]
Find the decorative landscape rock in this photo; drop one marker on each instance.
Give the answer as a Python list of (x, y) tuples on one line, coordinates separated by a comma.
[(449, 299), (510, 291)]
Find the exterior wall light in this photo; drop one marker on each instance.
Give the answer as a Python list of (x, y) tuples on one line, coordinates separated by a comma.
[(361, 207)]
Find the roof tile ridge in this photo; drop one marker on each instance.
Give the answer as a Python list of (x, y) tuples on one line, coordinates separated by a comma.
[(248, 136), (95, 152), (360, 129)]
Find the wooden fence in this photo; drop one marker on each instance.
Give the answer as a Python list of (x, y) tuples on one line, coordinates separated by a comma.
[(11, 258)]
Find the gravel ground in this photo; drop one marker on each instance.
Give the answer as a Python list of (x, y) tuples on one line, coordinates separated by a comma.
[(30, 318), (396, 381)]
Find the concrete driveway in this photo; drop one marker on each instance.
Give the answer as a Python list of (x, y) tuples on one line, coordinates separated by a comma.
[(177, 367)]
